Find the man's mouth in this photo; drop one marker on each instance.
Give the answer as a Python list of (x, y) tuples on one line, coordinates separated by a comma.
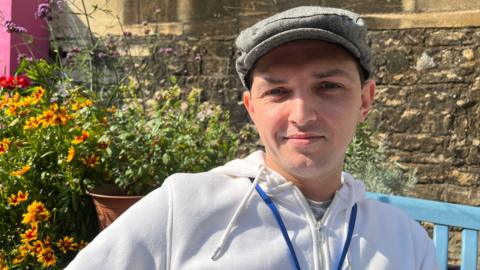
[(303, 138)]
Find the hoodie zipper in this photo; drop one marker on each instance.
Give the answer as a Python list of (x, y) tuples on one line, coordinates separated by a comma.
[(318, 233), (318, 225)]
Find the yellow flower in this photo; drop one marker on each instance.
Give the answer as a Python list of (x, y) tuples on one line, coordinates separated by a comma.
[(80, 105), (38, 94), (47, 258), (12, 109), (91, 160), (22, 254), (63, 117), (16, 199), (71, 154), (32, 122), (81, 138), (48, 118), (66, 244), (4, 101), (82, 244), (36, 211), (4, 146), (37, 247), (112, 109), (25, 102), (21, 172), (30, 234)]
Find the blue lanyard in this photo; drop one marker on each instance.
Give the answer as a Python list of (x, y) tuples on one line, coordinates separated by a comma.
[(283, 229)]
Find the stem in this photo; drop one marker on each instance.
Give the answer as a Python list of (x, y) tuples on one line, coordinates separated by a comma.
[(92, 40), (135, 73)]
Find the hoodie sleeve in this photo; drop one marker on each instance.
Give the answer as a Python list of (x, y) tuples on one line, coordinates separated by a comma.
[(430, 258), (138, 239)]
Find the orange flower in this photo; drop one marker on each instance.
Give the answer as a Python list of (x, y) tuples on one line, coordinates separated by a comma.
[(21, 172), (16, 199), (47, 257), (63, 117), (38, 93), (4, 101), (82, 244), (12, 109), (71, 154), (23, 252), (36, 247), (81, 138), (30, 234), (36, 211), (32, 122), (25, 102), (48, 118), (4, 145), (91, 160), (66, 244), (80, 105)]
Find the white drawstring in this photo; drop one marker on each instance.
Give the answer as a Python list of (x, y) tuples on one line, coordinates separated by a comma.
[(244, 201)]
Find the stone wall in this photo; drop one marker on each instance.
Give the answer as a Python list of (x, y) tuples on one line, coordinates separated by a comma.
[(428, 107)]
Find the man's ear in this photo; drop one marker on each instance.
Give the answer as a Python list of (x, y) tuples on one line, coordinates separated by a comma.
[(247, 102), (368, 95)]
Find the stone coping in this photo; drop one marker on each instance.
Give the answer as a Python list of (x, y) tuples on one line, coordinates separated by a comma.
[(448, 19)]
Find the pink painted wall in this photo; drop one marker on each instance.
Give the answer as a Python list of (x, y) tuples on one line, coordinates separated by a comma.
[(22, 13)]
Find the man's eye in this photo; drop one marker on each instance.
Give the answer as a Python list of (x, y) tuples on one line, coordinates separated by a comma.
[(329, 85), (275, 92)]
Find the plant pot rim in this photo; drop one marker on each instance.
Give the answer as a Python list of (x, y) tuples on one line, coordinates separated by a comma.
[(96, 195)]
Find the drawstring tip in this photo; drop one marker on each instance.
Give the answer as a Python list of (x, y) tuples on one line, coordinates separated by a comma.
[(216, 254)]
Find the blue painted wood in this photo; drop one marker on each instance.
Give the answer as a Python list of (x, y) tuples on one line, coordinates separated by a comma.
[(442, 215), (469, 250), (440, 239), (435, 212)]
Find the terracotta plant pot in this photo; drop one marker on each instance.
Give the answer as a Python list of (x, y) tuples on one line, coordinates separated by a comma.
[(110, 204)]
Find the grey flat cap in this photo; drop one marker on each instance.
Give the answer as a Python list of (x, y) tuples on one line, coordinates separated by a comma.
[(333, 25)]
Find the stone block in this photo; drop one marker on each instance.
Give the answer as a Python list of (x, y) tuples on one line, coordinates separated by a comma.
[(423, 143), (464, 178), (430, 174), (447, 37), (448, 193), (431, 158), (438, 123), (409, 121), (441, 76)]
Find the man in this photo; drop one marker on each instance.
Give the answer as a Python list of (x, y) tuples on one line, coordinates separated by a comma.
[(291, 207)]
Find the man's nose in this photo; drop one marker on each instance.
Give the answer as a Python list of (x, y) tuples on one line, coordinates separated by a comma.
[(302, 111)]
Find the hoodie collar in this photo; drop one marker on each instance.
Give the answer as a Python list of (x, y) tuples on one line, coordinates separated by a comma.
[(351, 191)]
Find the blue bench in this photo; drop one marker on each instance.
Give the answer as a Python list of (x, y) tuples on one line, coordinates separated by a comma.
[(442, 215)]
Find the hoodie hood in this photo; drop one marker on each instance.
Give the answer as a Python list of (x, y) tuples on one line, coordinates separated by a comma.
[(351, 191)]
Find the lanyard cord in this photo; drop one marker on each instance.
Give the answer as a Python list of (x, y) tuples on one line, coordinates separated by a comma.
[(274, 209), (283, 229)]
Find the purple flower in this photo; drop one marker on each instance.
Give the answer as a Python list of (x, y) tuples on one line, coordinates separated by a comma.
[(127, 34), (22, 56), (13, 28), (101, 55), (197, 57), (166, 50), (44, 11), (60, 3)]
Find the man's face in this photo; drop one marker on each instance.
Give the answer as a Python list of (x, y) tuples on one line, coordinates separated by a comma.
[(306, 100)]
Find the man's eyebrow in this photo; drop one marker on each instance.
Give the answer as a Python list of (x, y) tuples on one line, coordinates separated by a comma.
[(333, 72), (270, 79)]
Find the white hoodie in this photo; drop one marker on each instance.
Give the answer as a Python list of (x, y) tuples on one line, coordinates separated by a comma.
[(216, 220)]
